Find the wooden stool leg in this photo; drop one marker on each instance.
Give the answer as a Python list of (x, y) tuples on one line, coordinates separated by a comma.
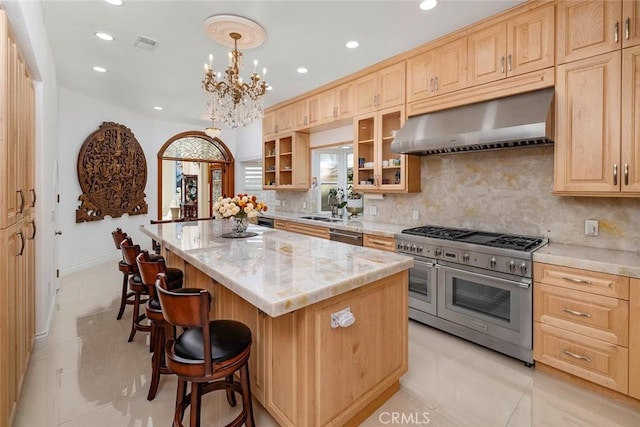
[(123, 298), (246, 395), (181, 394), (134, 318), (231, 395), (194, 419), (156, 359)]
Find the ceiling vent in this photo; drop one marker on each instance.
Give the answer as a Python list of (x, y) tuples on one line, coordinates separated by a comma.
[(145, 43)]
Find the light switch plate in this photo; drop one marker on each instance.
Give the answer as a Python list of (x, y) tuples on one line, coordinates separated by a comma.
[(591, 227), (416, 215), (373, 210)]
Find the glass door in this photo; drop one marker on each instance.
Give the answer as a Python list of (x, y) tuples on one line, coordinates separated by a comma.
[(215, 184), (422, 287)]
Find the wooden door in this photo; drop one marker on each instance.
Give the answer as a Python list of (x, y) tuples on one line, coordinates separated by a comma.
[(314, 108), (530, 41), (631, 23), (284, 119), (366, 90), (630, 161), (391, 86), (487, 54), (634, 338), (587, 145), (344, 101), (269, 124), (420, 74), (328, 106), (587, 28), (450, 61), (301, 114)]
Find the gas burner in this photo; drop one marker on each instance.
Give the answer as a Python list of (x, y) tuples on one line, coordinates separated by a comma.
[(437, 232), (519, 243)]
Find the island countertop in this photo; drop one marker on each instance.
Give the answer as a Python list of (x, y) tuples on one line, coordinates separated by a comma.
[(276, 271)]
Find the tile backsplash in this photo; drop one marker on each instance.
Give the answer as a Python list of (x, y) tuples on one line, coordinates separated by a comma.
[(505, 191)]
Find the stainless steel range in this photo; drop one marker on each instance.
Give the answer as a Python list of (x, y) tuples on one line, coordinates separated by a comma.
[(473, 284)]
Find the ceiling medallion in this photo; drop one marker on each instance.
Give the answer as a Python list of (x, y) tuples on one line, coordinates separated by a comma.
[(231, 100)]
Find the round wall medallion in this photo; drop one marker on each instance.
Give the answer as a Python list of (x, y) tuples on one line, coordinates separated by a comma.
[(219, 27)]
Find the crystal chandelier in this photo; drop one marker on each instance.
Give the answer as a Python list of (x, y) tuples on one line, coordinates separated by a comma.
[(230, 100)]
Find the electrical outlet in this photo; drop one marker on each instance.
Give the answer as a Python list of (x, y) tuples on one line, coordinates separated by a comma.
[(304, 205), (282, 202), (591, 227), (416, 214), (373, 210)]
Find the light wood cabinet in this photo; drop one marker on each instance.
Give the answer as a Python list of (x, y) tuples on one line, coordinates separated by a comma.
[(337, 104), (286, 162), (380, 90), (306, 229), (631, 23), (520, 45), (379, 242), (382, 170), (634, 338), (597, 125), (307, 113), (278, 121), (438, 71), (581, 324), (17, 228)]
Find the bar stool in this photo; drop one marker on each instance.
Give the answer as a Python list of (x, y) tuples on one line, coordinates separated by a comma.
[(149, 269), (127, 297), (129, 254), (206, 354)]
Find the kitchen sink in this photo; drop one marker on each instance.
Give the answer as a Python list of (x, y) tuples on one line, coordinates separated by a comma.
[(321, 218)]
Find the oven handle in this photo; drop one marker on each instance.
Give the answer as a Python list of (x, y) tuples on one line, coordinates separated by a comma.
[(418, 263), (525, 285)]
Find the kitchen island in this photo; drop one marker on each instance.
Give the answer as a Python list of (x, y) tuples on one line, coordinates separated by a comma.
[(305, 369)]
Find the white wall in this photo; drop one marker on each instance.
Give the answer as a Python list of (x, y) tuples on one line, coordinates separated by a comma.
[(86, 244)]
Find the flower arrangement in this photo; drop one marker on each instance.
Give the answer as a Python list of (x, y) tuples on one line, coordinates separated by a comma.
[(336, 196), (240, 206)]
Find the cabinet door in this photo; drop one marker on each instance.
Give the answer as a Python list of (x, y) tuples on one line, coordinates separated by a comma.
[(391, 86), (587, 151), (315, 115), (631, 23), (487, 54), (530, 41), (587, 28), (631, 120), (389, 173), (269, 124), (301, 114), (344, 101), (364, 148), (284, 119), (300, 161), (634, 338), (420, 75), (328, 106), (366, 91), (450, 66)]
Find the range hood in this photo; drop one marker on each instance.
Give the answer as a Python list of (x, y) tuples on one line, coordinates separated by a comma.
[(512, 121)]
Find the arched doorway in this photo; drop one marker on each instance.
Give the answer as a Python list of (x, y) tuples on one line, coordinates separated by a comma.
[(193, 171)]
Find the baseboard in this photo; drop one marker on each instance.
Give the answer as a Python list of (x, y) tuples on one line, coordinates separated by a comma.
[(88, 264), (41, 338)]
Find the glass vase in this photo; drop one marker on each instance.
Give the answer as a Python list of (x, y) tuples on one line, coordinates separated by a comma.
[(239, 225)]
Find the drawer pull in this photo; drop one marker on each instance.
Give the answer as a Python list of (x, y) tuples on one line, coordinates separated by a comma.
[(574, 280), (576, 313), (378, 242), (577, 356)]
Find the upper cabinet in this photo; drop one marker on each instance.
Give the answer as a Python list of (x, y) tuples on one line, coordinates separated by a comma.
[(337, 104), (589, 28), (380, 170), (278, 121), (307, 113), (382, 89), (522, 44), (286, 162), (438, 71)]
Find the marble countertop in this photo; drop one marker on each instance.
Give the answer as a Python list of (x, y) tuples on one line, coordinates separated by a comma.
[(588, 258), (276, 271), (369, 227)]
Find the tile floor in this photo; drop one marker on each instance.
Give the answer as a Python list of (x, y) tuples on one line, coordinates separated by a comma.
[(88, 375)]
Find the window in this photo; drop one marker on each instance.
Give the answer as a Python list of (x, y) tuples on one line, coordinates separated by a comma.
[(335, 170)]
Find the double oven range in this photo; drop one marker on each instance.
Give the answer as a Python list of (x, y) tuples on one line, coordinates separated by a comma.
[(473, 284)]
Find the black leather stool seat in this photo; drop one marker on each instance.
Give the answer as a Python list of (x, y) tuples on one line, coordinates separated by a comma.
[(154, 303), (228, 339), (135, 278), (174, 275)]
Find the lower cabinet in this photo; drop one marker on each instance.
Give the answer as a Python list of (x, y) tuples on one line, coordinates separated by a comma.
[(582, 325), (295, 227), (379, 242), (634, 338)]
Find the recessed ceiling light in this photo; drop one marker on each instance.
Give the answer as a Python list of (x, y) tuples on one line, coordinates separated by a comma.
[(100, 69), (353, 44), (114, 2), (428, 4), (157, 108), (269, 87), (302, 70), (104, 36)]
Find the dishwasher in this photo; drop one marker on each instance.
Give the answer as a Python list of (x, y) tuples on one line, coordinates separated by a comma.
[(351, 237)]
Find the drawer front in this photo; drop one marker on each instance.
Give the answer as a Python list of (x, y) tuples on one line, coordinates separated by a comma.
[(582, 280), (594, 360), (378, 242), (309, 230), (595, 316)]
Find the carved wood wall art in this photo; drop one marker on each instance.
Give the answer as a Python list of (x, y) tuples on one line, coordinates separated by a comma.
[(112, 172)]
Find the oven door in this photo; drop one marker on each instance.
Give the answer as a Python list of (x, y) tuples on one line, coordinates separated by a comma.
[(422, 286), (497, 306)]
